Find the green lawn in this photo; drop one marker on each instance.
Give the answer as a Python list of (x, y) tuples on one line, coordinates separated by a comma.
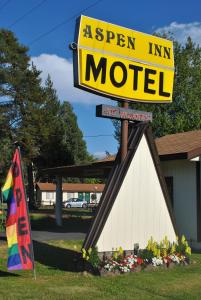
[(57, 278), (74, 220)]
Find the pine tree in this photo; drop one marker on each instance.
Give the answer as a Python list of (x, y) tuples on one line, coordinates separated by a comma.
[(46, 130), (61, 142), (73, 137)]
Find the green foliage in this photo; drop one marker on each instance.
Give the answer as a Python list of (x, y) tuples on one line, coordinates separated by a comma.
[(183, 247), (165, 248), (72, 135), (183, 114), (46, 130), (91, 255), (118, 254), (146, 254), (2, 219)]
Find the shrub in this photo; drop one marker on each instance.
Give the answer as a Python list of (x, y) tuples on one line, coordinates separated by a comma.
[(91, 255)]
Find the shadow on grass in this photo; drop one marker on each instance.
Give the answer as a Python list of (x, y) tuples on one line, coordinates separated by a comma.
[(57, 258), (69, 224), (77, 212), (8, 274)]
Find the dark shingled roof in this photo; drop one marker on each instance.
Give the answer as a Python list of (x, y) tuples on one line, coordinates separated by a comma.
[(186, 145)]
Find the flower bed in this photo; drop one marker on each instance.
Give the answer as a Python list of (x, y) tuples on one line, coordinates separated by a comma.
[(154, 255), (132, 263)]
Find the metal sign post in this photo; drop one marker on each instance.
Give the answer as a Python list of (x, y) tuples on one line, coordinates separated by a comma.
[(124, 135), (125, 115)]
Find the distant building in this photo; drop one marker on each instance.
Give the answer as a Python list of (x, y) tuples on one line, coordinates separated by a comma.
[(180, 156), (46, 192)]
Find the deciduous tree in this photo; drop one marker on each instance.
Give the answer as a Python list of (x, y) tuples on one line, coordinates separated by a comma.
[(184, 113)]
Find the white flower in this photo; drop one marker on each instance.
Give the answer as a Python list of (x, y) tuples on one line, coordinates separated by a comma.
[(157, 261), (175, 258), (124, 269)]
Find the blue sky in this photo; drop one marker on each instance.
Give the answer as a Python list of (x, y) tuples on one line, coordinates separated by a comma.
[(47, 28)]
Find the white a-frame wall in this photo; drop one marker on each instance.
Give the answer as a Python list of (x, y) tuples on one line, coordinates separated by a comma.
[(138, 206)]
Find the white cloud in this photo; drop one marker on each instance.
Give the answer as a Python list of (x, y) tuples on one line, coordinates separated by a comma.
[(61, 72), (182, 31)]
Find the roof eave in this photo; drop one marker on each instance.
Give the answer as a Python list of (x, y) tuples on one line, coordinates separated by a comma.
[(173, 156)]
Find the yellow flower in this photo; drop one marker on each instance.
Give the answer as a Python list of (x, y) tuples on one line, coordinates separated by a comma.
[(173, 249), (166, 243), (121, 251), (90, 250), (83, 253), (183, 239), (156, 252), (149, 246), (165, 252), (188, 250), (115, 255)]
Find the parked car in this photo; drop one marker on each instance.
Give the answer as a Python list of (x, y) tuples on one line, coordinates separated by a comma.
[(75, 202)]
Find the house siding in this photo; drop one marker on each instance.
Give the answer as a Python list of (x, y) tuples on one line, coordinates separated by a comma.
[(49, 197), (184, 195)]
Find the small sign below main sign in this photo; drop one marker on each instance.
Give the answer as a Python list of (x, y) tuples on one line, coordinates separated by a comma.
[(123, 64), (107, 111)]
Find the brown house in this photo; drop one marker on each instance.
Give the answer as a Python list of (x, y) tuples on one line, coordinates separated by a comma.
[(46, 192)]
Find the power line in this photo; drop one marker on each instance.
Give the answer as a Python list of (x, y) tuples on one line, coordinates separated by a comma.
[(84, 136), (27, 13), (63, 22), (5, 4), (98, 135)]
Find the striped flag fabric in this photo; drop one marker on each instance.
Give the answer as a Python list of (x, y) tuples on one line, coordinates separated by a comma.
[(20, 249)]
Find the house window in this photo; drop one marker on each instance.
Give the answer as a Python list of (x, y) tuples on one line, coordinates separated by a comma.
[(49, 196), (169, 183)]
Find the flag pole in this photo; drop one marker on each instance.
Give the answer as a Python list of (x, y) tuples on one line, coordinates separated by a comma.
[(33, 260), (2, 210)]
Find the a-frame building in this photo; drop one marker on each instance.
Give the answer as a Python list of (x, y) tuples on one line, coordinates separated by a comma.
[(135, 204)]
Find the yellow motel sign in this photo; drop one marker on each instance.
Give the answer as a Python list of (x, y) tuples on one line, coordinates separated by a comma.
[(123, 64)]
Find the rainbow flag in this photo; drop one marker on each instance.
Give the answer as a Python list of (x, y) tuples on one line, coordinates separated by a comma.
[(20, 250)]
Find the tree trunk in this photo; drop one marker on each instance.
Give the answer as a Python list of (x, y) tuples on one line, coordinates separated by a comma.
[(58, 209), (32, 203)]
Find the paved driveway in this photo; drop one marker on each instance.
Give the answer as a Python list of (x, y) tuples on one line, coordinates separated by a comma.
[(47, 235)]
